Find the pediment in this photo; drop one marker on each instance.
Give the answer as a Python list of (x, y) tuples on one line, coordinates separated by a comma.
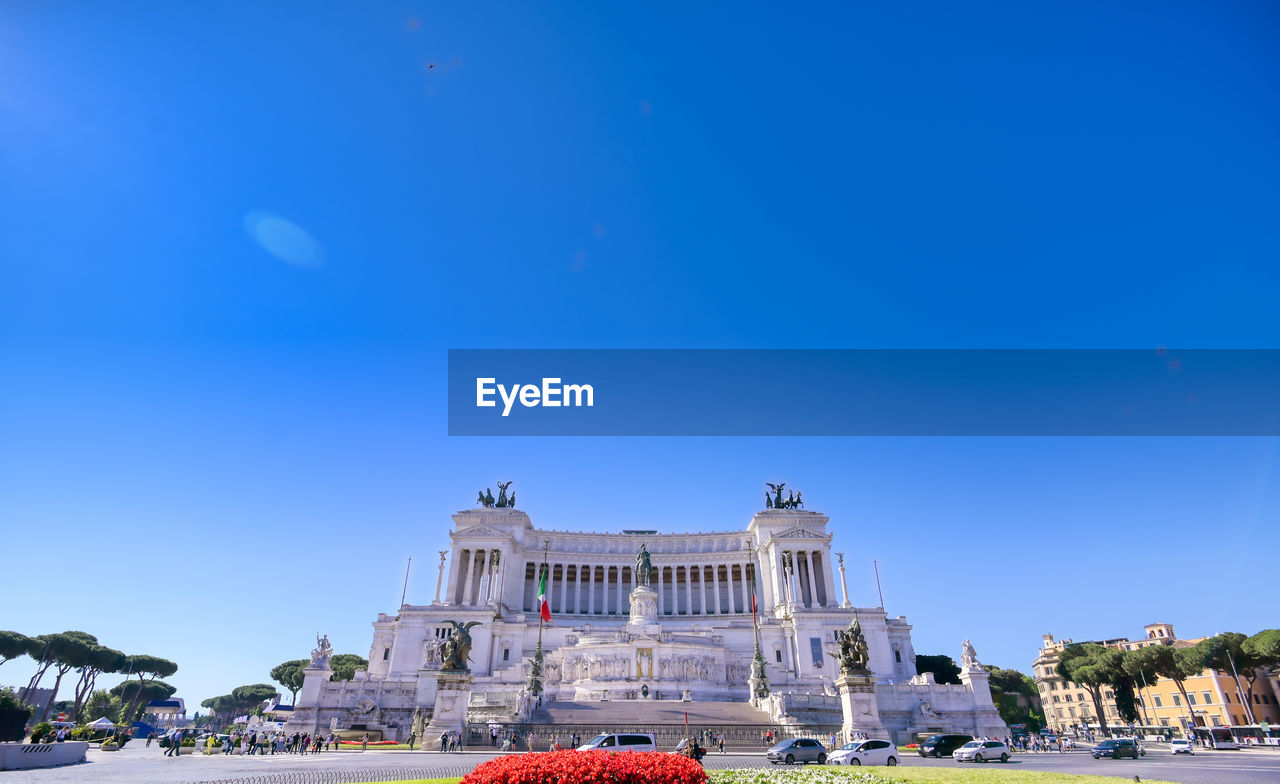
[(800, 533), (480, 532)]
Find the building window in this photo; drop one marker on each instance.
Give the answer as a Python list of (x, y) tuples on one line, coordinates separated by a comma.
[(1055, 698), (1067, 698), (1191, 698), (897, 655), (506, 654), (1177, 699), (1208, 700), (386, 654), (778, 656), (1159, 704), (1226, 697), (1053, 685)]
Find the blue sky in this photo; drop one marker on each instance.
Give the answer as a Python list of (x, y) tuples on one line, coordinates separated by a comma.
[(201, 402)]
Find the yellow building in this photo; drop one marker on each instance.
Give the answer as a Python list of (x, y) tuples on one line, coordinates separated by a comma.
[(1212, 696)]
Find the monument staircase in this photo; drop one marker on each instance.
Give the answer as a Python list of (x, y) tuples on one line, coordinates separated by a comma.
[(740, 723)]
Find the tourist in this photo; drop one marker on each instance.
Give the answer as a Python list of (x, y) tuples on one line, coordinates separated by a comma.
[(364, 741), (412, 738), (720, 740), (444, 742)]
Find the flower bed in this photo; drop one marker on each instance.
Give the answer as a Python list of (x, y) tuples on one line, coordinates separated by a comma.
[(588, 767), (371, 743)]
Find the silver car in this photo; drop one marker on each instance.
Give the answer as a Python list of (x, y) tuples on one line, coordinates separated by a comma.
[(981, 751), (800, 750)]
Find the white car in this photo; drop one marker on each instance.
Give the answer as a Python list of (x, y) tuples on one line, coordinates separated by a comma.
[(865, 752), (1181, 747), (621, 741), (981, 751)]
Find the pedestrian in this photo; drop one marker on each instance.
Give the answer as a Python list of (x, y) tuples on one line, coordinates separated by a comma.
[(412, 737), (444, 742), (720, 740), (175, 743), (364, 741), (150, 737)]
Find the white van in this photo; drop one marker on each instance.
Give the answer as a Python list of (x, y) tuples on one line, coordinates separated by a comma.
[(621, 741)]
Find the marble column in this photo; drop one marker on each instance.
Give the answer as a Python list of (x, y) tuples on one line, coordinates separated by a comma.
[(502, 578), (591, 590), (466, 586), (455, 568), (440, 576), (564, 587), (746, 590), (844, 585), (715, 585), (661, 603), (813, 582)]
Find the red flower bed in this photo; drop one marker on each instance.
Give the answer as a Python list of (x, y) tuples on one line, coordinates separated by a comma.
[(371, 743), (588, 767)]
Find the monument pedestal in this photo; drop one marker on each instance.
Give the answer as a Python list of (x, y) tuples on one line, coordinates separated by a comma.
[(453, 692), (858, 703), (644, 607)]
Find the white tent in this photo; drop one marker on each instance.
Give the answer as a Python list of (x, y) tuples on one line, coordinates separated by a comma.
[(103, 724)]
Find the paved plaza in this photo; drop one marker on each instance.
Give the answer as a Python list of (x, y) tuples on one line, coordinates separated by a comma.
[(136, 763)]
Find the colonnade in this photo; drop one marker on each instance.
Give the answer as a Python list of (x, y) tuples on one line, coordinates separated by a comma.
[(799, 577)]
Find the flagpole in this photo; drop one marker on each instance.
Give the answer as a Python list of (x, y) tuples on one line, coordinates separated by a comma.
[(535, 671), (546, 545)]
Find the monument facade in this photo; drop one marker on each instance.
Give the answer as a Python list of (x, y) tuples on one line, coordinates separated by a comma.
[(638, 615)]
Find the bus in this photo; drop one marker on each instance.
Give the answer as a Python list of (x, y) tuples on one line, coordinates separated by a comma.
[(1216, 737)]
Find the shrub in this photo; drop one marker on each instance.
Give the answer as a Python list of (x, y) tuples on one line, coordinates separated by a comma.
[(9, 700), (588, 767), (40, 730)]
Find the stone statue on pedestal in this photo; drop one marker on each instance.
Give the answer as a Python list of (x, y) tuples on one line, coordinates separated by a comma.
[(321, 654), (643, 566), (853, 655), (968, 656), (455, 653)]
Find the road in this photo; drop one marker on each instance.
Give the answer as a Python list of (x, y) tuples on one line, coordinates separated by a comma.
[(136, 764)]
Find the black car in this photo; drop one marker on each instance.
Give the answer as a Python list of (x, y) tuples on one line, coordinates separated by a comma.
[(1116, 748), (942, 745)]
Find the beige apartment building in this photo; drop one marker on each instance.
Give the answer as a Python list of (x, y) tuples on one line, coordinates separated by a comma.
[(1214, 699)]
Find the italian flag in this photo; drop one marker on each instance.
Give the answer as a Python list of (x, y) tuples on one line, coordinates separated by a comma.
[(543, 607)]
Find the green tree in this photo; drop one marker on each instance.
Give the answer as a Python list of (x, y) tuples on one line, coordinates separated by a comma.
[(13, 645), (1265, 646), (1015, 697), (252, 694), (147, 669), (943, 667), (1164, 661), (136, 696), (289, 675), (98, 660), (63, 652), (102, 704), (344, 666), (1226, 653), (222, 706), (1093, 667)]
